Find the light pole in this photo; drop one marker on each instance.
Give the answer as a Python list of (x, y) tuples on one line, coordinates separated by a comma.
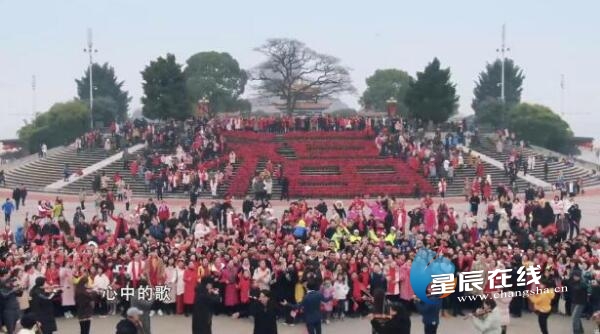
[(90, 51), (503, 49)]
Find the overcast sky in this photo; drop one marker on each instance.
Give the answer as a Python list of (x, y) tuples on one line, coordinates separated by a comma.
[(547, 39)]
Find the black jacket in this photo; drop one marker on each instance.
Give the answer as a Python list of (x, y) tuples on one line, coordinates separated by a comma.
[(247, 206), (16, 194), (42, 308), (578, 292), (265, 319), (322, 208), (84, 302), (204, 308), (125, 326), (397, 325)]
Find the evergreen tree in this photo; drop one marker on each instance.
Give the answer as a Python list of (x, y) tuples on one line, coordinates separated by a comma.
[(486, 103), (432, 96), (111, 102), (164, 90)]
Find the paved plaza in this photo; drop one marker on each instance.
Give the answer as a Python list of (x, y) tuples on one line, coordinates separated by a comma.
[(557, 324)]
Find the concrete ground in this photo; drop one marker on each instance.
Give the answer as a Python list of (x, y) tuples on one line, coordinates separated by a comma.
[(558, 324)]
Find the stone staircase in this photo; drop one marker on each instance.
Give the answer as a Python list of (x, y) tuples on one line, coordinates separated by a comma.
[(320, 166), (570, 173), (137, 184), (276, 193), (36, 175), (456, 188)]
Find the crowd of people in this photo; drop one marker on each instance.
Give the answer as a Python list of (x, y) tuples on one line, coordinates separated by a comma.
[(349, 262), (312, 263)]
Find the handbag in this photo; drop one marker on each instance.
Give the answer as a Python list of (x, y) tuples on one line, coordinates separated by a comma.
[(562, 305)]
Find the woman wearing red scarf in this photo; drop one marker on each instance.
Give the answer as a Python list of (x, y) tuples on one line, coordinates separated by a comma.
[(392, 276)]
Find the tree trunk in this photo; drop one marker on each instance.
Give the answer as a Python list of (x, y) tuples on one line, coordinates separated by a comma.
[(289, 104)]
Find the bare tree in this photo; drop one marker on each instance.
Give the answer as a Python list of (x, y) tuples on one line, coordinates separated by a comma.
[(292, 69)]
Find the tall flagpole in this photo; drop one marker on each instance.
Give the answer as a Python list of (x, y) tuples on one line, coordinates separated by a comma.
[(90, 50)]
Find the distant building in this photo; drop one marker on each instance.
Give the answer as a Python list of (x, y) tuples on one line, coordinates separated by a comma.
[(307, 101)]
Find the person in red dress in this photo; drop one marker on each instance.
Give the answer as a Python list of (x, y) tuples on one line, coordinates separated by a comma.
[(229, 280), (244, 286), (190, 279)]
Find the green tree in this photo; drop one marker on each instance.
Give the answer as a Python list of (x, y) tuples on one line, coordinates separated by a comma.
[(539, 125), (493, 111), (106, 87), (216, 76), (432, 97), (58, 126), (164, 90), (294, 71), (384, 84), (487, 92), (105, 109)]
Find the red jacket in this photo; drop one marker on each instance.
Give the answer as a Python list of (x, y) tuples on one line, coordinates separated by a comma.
[(163, 212), (190, 279), (244, 286)]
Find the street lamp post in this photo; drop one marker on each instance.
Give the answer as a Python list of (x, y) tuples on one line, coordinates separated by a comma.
[(503, 49), (90, 51)]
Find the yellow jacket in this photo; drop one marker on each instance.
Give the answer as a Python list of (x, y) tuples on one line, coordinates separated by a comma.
[(354, 238), (299, 290), (542, 302), (390, 238)]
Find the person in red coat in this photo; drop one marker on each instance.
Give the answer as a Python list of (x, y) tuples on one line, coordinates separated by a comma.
[(51, 274), (163, 212), (244, 286), (229, 280), (120, 226), (190, 279), (358, 303)]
